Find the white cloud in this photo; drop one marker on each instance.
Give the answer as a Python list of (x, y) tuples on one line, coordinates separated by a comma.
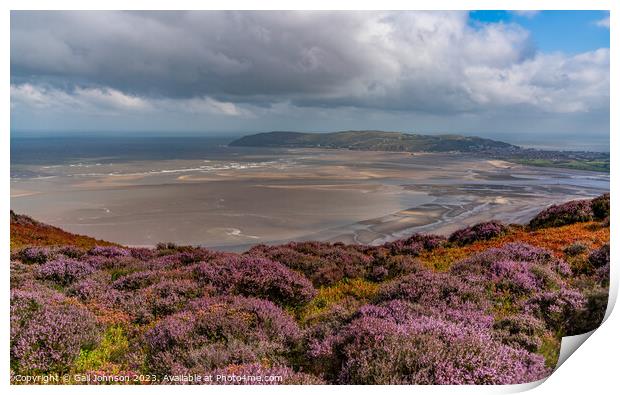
[(236, 65), (108, 100), (526, 13), (603, 22)]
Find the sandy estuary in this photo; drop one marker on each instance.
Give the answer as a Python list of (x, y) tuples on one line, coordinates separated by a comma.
[(236, 198)]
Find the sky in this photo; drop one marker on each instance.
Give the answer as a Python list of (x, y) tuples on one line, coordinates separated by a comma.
[(491, 73)]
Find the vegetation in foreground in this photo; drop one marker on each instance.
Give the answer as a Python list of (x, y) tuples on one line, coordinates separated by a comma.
[(487, 305)]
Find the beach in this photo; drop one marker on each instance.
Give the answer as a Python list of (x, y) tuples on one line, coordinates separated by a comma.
[(235, 198)]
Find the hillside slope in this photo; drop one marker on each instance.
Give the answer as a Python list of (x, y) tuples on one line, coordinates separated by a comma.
[(372, 140), (486, 305), (25, 231)]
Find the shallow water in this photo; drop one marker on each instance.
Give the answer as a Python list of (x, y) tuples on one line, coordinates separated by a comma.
[(201, 192)]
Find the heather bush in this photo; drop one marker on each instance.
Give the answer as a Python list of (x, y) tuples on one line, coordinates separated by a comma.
[(218, 331), (577, 248), (392, 348), (430, 288), (415, 244), (484, 263), (556, 308), (392, 266), (34, 254), (259, 277), (142, 254), (563, 214), (136, 280), (124, 263), (64, 271), (481, 231), (600, 206), (520, 331), (71, 251), (591, 315), (257, 374), (87, 289), (510, 251), (21, 273), (521, 278), (47, 332), (322, 263), (109, 252), (600, 257), (171, 295)]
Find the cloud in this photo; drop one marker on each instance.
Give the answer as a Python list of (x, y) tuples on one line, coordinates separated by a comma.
[(111, 101), (526, 13), (603, 22), (243, 65)]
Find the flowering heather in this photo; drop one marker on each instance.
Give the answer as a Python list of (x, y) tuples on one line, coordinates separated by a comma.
[(322, 263), (481, 231), (34, 254), (563, 214), (136, 280), (600, 257), (421, 310), (591, 316), (87, 289), (215, 332), (520, 330), (428, 350), (64, 271), (432, 289), (171, 295), (109, 252), (259, 277), (142, 254), (47, 332), (416, 243), (482, 263), (556, 308)]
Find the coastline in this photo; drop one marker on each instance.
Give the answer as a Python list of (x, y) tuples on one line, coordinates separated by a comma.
[(249, 197)]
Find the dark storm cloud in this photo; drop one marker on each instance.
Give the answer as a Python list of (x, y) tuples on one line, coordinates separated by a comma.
[(266, 64), (188, 54)]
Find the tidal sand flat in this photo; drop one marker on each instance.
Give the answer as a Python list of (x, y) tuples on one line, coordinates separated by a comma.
[(231, 198)]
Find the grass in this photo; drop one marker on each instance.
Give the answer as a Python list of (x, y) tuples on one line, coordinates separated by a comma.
[(575, 164)]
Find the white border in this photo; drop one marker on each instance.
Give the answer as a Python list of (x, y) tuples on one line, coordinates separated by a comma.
[(593, 368)]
